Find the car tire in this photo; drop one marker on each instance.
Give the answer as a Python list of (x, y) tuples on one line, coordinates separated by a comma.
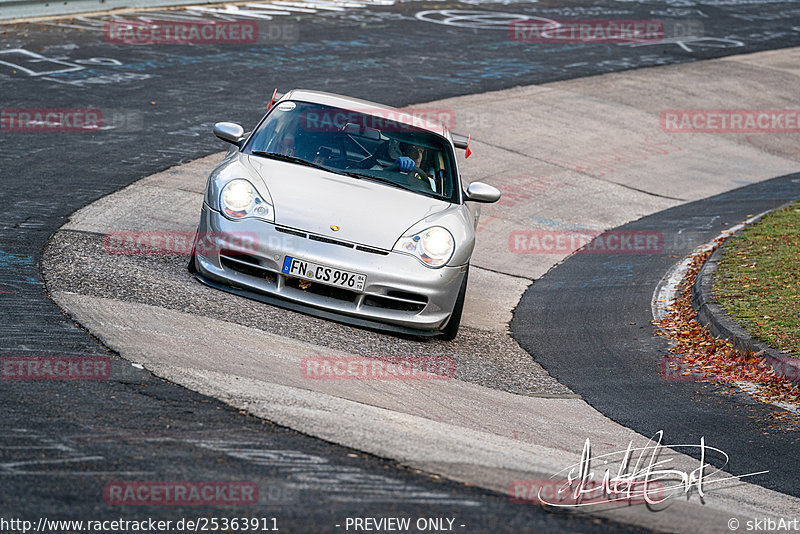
[(192, 267), (449, 332)]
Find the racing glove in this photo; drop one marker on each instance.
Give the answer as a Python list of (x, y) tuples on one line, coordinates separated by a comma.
[(405, 163)]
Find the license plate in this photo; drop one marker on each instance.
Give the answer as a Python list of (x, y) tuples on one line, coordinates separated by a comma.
[(323, 274)]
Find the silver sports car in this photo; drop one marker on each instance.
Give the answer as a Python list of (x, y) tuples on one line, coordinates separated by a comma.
[(344, 209)]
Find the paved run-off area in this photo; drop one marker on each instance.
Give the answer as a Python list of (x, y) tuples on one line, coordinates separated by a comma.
[(582, 155)]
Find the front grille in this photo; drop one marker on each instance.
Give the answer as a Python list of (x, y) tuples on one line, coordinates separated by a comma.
[(394, 299), (329, 240), (292, 232), (372, 250)]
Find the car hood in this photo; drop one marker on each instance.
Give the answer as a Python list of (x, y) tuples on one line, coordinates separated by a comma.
[(366, 212)]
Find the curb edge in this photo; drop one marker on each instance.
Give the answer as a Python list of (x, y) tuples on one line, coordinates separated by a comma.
[(720, 324)]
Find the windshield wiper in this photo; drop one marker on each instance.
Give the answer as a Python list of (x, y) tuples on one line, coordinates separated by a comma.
[(383, 181), (292, 159)]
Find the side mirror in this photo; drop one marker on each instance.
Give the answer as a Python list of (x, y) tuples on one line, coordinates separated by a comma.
[(229, 132), (480, 192)]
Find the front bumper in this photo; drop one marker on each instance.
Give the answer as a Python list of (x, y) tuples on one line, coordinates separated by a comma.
[(400, 293)]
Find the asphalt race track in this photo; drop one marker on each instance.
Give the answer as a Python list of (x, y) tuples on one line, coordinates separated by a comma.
[(614, 362), (61, 442)]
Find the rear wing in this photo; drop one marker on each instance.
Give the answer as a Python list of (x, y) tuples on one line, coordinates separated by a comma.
[(460, 141)]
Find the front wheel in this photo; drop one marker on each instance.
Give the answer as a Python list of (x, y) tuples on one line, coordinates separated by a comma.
[(191, 266), (454, 322)]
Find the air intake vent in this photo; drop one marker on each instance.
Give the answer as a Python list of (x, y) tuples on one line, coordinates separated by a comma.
[(329, 240), (321, 289), (406, 295), (246, 265), (290, 231), (372, 250), (385, 303)]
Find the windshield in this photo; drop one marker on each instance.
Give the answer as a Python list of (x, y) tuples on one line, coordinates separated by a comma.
[(367, 145)]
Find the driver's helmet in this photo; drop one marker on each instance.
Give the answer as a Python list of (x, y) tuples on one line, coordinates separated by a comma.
[(412, 151)]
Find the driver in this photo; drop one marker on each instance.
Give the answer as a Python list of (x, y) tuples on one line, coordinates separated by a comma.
[(412, 158)]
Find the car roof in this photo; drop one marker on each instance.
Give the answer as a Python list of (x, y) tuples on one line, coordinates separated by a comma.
[(365, 106)]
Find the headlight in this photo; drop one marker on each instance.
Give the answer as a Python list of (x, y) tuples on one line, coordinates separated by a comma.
[(434, 247), (239, 200)]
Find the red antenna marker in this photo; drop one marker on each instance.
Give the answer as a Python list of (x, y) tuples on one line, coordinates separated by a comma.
[(468, 152), (272, 99)]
